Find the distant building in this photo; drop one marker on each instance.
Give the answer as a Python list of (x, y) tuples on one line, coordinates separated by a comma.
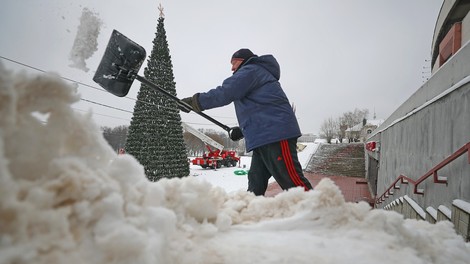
[(361, 131), (307, 138)]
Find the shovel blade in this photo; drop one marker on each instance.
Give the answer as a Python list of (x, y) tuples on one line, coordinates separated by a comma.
[(120, 64)]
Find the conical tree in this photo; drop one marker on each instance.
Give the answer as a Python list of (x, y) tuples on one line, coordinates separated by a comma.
[(155, 135)]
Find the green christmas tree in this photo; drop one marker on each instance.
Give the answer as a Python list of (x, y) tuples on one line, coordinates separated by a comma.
[(155, 135)]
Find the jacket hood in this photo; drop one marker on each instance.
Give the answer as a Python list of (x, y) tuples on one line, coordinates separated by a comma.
[(268, 62)]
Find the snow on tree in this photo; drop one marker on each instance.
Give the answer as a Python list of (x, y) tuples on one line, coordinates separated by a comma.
[(155, 136)]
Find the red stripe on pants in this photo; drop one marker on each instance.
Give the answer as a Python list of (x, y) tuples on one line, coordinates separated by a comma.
[(290, 164)]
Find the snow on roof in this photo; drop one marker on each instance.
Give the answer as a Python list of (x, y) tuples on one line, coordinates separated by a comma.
[(357, 127), (374, 122)]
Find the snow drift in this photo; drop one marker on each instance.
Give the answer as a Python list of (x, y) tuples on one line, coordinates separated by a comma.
[(66, 197)]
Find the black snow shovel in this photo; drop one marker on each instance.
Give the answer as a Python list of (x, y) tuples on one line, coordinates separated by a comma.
[(119, 68)]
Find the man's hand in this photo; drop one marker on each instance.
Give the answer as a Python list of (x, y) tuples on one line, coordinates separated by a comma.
[(235, 133), (184, 106), (193, 102)]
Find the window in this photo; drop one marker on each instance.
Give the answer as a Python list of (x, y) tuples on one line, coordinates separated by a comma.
[(451, 43)]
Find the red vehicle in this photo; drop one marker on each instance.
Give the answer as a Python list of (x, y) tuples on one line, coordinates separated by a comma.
[(216, 157)]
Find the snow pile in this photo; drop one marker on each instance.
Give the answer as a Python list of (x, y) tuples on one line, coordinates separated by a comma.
[(66, 197), (86, 40)]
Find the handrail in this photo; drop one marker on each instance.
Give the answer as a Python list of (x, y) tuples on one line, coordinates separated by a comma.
[(402, 179)]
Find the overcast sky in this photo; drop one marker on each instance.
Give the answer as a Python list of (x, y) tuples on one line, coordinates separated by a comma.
[(335, 55)]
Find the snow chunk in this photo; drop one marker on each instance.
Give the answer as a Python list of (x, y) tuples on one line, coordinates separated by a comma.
[(86, 42)]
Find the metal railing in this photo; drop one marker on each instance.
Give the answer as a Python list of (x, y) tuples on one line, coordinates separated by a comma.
[(402, 179)]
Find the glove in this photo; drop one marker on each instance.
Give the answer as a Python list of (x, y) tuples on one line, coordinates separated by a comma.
[(235, 133), (184, 106), (193, 102)]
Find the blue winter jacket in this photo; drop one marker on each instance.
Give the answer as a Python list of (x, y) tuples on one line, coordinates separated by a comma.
[(263, 110)]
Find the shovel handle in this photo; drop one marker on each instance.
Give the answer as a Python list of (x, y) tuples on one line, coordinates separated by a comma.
[(150, 84)]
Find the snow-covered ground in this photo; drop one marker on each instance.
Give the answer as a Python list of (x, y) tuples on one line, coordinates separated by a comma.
[(67, 197), (229, 181)]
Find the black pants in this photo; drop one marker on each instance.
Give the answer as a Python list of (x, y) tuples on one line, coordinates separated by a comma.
[(279, 160)]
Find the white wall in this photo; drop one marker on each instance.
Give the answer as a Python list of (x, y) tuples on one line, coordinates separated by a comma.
[(412, 145), (466, 29)]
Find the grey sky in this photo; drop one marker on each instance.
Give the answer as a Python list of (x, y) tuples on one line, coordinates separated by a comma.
[(335, 55)]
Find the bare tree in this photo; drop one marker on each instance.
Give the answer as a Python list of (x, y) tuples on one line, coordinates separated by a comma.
[(194, 146), (342, 129), (116, 136), (329, 128), (343, 123)]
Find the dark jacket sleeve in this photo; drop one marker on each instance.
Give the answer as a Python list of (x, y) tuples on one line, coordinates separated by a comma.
[(233, 88)]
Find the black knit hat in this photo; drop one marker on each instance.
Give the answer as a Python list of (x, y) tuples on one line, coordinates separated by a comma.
[(243, 54)]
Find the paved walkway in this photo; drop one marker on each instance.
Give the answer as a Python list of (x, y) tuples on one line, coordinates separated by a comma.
[(353, 189)]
